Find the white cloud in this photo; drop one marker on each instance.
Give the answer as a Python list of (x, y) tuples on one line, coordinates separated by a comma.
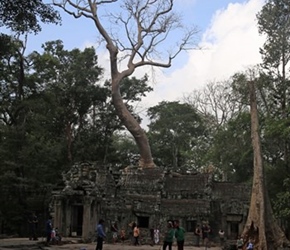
[(231, 44)]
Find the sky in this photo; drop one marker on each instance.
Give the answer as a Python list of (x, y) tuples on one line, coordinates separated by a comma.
[(228, 37)]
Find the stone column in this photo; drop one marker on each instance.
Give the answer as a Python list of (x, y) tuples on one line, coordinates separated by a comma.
[(58, 220), (87, 229), (68, 211)]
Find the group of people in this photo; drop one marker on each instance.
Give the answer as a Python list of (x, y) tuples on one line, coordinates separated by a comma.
[(32, 226), (52, 234), (240, 243), (174, 230), (203, 232)]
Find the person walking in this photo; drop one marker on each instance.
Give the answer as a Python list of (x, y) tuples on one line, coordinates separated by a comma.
[(222, 237), (156, 236), (179, 235), (240, 243), (48, 230), (205, 234), (197, 233), (132, 225), (168, 237), (101, 234), (114, 229), (32, 222), (136, 234), (123, 235)]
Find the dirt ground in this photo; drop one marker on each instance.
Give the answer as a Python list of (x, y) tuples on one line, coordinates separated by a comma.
[(73, 244)]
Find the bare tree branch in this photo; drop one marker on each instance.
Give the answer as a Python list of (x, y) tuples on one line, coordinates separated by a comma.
[(143, 31)]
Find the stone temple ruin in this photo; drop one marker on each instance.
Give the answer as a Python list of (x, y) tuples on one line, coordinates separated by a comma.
[(150, 197)]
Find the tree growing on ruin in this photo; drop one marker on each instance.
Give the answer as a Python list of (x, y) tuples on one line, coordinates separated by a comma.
[(261, 224), (140, 33)]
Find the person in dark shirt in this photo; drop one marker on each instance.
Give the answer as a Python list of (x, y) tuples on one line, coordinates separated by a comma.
[(32, 223), (197, 233), (205, 234), (169, 236), (48, 230), (179, 235)]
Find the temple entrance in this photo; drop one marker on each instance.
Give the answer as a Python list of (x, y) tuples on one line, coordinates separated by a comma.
[(77, 220), (233, 227), (234, 230)]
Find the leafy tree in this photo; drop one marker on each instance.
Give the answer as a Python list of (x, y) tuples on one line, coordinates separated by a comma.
[(260, 223), (274, 22), (24, 16), (19, 173), (231, 151), (227, 124), (217, 101), (69, 78), (141, 30), (178, 135)]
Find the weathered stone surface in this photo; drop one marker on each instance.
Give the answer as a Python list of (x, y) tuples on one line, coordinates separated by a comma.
[(149, 197)]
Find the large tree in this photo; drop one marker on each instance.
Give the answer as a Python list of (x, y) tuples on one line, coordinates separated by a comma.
[(274, 22), (178, 134), (140, 31), (26, 16), (261, 224)]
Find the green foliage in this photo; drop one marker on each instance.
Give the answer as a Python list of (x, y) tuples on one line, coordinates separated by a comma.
[(54, 111), (177, 134), (281, 203), (231, 150), (274, 21), (24, 16)]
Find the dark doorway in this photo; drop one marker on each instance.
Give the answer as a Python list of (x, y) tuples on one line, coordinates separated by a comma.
[(77, 219), (234, 230), (190, 225), (143, 221)]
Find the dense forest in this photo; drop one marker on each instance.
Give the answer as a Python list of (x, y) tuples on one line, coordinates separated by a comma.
[(56, 109)]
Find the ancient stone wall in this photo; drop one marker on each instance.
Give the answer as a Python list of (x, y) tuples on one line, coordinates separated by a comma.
[(149, 197)]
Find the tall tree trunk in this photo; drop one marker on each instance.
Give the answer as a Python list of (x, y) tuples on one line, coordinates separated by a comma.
[(261, 225), (146, 160), (129, 121), (68, 132)]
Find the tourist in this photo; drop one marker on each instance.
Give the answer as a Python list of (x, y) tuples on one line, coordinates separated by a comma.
[(222, 237), (205, 234), (132, 225), (197, 233), (210, 236), (156, 236), (179, 235), (57, 236), (152, 236), (122, 235), (101, 234), (48, 229), (240, 242), (32, 223), (168, 237), (114, 229), (136, 234), (250, 245)]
